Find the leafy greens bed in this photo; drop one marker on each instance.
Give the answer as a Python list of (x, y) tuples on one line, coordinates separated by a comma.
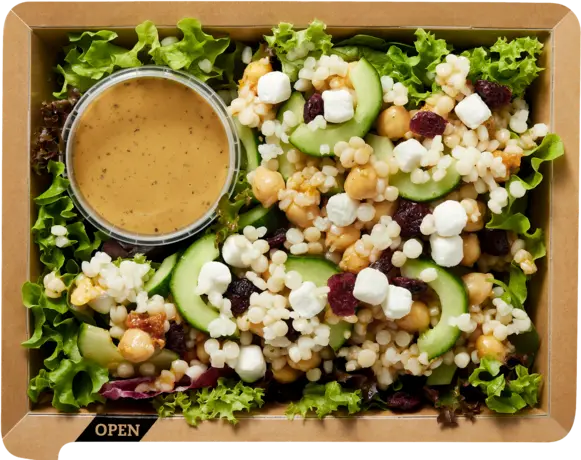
[(389, 182)]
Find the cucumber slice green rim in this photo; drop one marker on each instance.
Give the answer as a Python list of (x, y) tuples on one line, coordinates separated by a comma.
[(159, 282), (184, 282), (369, 100), (427, 191), (250, 143), (271, 218), (454, 302)]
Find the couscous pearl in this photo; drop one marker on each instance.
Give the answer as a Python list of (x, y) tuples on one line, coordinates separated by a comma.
[(474, 356), (428, 275), (313, 375), (255, 315), (279, 257), (398, 259), (293, 280), (383, 337), (462, 360), (125, 370), (412, 249), (402, 338), (147, 369), (328, 366), (231, 350), (294, 236), (211, 346), (245, 338), (366, 358), (312, 234)]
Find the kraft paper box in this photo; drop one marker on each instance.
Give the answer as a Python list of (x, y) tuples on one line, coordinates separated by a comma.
[(33, 35)]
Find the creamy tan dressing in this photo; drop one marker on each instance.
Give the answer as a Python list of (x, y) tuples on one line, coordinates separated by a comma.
[(150, 156)]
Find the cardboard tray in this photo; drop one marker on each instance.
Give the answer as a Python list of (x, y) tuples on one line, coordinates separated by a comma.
[(33, 34)]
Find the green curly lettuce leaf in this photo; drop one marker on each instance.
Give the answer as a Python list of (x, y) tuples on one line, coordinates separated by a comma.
[(324, 400), (73, 381), (506, 395), (222, 402), (57, 208), (513, 216), (195, 46), (91, 56), (74, 384), (509, 63), (293, 47), (414, 66), (229, 208)]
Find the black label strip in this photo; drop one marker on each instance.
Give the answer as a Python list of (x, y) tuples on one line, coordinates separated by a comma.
[(112, 428)]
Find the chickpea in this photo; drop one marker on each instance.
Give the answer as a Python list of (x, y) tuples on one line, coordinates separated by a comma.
[(352, 261), (286, 375), (361, 183), (478, 286), (393, 122), (257, 329), (201, 354), (417, 320), (490, 346), (471, 246), (302, 216), (266, 184), (341, 242), (479, 224), (382, 208), (136, 345), (306, 364)]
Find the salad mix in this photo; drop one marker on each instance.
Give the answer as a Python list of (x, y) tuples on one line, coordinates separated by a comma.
[(375, 253)]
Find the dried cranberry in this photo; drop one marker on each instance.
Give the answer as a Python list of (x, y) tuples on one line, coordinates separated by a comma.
[(403, 401), (277, 238), (409, 216), (493, 94), (427, 124), (383, 264), (414, 286), (239, 292), (340, 296), (313, 107), (494, 242), (292, 334), (175, 338)]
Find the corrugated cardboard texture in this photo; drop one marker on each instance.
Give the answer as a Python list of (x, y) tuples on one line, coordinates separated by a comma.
[(35, 31)]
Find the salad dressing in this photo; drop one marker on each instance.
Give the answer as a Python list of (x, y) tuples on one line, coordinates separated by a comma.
[(150, 156)]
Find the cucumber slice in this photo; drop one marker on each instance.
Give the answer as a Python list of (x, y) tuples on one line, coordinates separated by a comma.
[(382, 146), (318, 270), (249, 140), (442, 375), (369, 100), (159, 282), (184, 282), (163, 358), (454, 301), (285, 167), (271, 218), (296, 104), (96, 344), (429, 191)]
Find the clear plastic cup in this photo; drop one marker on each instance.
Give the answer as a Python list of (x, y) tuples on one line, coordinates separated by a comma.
[(210, 96)]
